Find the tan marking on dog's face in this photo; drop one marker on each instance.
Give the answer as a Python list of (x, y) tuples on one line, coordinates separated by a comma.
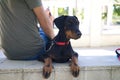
[(71, 35)]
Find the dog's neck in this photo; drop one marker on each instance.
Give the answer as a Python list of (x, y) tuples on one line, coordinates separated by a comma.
[(61, 37)]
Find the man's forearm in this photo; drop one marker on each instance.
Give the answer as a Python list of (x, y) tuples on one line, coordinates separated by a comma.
[(44, 21)]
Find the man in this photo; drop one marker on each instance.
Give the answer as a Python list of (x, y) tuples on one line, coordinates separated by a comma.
[(20, 36)]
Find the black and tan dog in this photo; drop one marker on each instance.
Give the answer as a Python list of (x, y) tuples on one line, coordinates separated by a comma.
[(60, 49)]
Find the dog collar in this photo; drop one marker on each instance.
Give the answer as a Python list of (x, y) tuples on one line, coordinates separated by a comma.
[(62, 43)]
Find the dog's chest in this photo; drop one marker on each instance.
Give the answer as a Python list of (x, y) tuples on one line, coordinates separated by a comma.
[(61, 54)]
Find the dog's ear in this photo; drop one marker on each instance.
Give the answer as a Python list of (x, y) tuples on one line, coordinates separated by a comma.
[(59, 22), (76, 19)]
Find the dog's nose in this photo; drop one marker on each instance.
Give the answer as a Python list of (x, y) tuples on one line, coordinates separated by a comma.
[(79, 34)]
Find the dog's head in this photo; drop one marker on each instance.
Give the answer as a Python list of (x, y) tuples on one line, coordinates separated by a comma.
[(70, 25)]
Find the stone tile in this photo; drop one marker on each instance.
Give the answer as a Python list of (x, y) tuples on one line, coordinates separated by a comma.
[(80, 77), (63, 75), (62, 71), (36, 76), (33, 71), (11, 76), (98, 61), (97, 75), (116, 73), (32, 76), (11, 64)]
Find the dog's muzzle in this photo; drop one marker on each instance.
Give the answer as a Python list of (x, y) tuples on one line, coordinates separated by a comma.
[(79, 34)]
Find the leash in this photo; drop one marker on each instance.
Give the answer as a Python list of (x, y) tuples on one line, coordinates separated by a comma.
[(52, 43), (118, 53)]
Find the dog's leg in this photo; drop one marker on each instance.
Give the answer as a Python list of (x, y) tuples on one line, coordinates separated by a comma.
[(74, 65), (47, 69)]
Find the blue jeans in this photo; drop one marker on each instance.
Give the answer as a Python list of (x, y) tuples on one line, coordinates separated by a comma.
[(44, 37)]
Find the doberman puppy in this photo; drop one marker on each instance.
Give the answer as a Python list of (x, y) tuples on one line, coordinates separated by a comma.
[(60, 50)]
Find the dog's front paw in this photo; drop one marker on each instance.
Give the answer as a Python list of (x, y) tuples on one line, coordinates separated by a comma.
[(75, 69), (47, 69)]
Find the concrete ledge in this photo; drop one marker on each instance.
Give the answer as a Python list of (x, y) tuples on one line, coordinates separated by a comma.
[(93, 67)]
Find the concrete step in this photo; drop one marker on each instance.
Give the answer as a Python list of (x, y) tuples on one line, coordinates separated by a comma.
[(93, 67)]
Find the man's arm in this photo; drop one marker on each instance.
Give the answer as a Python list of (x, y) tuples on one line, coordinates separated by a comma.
[(44, 21)]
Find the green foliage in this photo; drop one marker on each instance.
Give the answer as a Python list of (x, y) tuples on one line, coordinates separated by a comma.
[(74, 11), (117, 0), (63, 11), (104, 15), (82, 14), (116, 10)]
